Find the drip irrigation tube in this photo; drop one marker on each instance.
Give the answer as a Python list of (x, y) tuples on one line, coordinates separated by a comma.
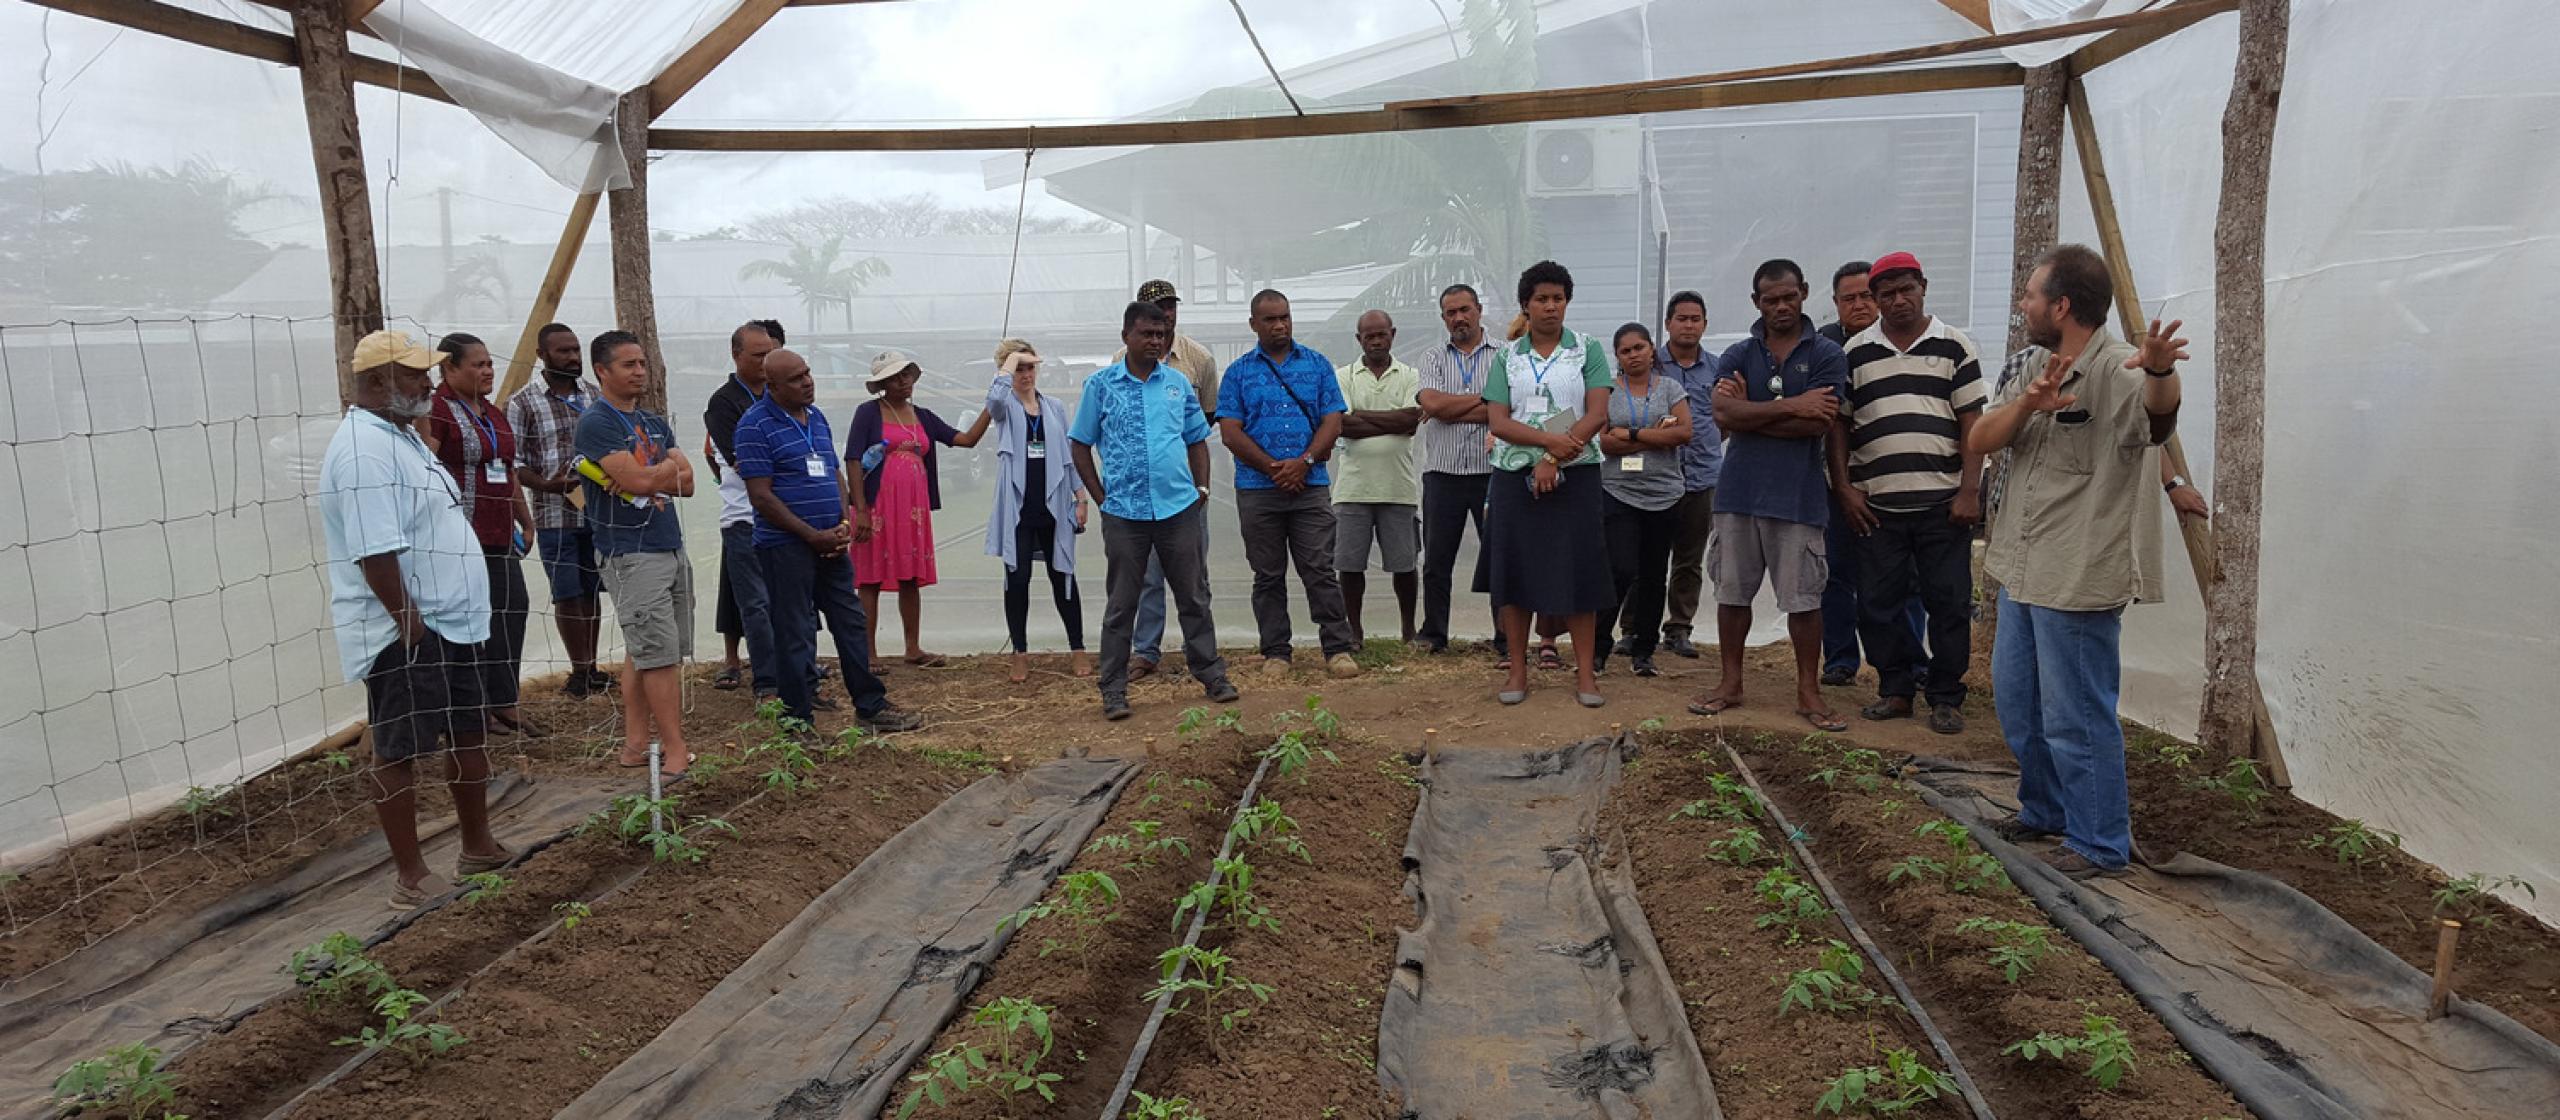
[(1884, 966), (1199, 921)]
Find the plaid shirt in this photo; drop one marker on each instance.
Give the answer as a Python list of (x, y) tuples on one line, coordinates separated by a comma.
[(546, 429)]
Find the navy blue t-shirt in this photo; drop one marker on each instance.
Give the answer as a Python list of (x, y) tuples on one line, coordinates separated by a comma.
[(1769, 476), (620, 527), (800, 457)]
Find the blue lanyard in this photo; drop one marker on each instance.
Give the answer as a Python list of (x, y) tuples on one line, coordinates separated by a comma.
[(1468, 367), (639, 436), (1640, 405), (808, 431), (488, 426), (1538, 370)]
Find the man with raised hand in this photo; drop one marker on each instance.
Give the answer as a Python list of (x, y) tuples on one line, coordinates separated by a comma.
[(786, 454), (409, 597), (637, 534), (1142, 446), (1280, 413), (1684, 361), (1196, 365), (545, 419), (2064, 553), (1376, 496), (1456, 465), (1777, 392), (1910, 494)]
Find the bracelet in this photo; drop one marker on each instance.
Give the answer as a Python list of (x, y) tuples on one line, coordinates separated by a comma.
[(2172, 371)]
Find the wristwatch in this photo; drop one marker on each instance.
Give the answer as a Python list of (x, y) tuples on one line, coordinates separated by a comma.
[(2175, 481)]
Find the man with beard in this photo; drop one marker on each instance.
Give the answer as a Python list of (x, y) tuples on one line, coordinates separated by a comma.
[(545, 419), (2064, 554), (409, 597)]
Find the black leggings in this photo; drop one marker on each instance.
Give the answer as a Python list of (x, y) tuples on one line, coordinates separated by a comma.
[(1031, 536)]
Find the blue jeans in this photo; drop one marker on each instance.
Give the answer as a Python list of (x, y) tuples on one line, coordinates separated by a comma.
[(742, 588), (2054, 676), (1840, 599), (803, 587), (1146, 636)]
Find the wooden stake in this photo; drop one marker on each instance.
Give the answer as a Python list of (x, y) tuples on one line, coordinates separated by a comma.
[(635, 308), (2198, 536), (2231, 697), (2448, 932), (546, 299), (337, 156)]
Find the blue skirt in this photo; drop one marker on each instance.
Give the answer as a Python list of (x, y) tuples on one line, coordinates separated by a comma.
[(1548, 552)]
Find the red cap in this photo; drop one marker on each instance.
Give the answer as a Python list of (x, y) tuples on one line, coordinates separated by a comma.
[(1894, 262)]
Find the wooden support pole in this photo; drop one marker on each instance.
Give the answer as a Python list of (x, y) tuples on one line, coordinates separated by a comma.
[(635, 309), (2196, 534), (2448, 935), (546, 299), (2228, 718), (337, 155), (2037, 226)]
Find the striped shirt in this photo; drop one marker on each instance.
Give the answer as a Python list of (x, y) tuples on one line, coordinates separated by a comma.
[(1449, 447), (1903, 404)]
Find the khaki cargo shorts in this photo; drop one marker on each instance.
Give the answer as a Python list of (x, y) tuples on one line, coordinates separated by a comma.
[(1742, 548), (653, 601)]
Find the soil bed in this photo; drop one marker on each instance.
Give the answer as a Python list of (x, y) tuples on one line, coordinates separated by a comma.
[(1861, 826)]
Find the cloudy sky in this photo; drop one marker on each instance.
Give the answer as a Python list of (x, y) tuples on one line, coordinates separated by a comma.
[(75, 92)]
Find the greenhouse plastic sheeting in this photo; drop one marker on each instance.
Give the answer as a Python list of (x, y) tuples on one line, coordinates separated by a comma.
[(824, 1020), (1531, 985), (2407, 612), (2297, 1011), (172, 980)]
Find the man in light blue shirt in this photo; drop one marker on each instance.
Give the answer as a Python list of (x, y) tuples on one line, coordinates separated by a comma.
[(409, 597), (1142, 444)]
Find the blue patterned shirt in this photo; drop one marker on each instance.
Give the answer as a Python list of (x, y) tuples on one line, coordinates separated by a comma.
[(1141, 432), (1252, 394)]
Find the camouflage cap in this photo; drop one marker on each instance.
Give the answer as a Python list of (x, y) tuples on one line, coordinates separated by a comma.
[(1157, 291)]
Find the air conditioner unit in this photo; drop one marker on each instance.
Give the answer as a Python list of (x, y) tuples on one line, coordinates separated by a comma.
[(1584, 158)]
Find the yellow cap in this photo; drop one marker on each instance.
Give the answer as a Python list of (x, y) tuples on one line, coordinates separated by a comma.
[(382, 348)]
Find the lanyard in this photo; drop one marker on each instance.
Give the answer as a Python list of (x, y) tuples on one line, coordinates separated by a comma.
[(1639, 405), (1538, 370), (808, 430), (643, 448), (1469, 367), (487, 425)]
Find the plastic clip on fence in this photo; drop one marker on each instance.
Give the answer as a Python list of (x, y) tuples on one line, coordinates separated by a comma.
[(1199, 921), (1884, 965)]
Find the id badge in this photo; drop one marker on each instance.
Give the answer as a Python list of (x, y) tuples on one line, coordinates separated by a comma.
[(1039, 449), (1631, 464), (817, 466), (494, 472)]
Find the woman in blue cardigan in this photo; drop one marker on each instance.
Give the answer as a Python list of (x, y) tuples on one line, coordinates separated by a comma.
[(1039, 501)]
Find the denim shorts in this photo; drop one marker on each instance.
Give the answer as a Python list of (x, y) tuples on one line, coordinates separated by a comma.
[(569, 559)]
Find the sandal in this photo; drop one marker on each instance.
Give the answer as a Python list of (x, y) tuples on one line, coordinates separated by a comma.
[(1714, 705), (469, 864), (1824, 721), (1548, 658), (727, 681), (927, 660)]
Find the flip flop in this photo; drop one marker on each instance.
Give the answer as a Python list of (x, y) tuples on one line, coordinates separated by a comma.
[(1824, 721), (727, 680), (1713, 705), (927, 660), (1548, 658), (470, 864)]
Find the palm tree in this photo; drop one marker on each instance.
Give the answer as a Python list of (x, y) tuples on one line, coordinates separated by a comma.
[(815, 275), (479, 277)]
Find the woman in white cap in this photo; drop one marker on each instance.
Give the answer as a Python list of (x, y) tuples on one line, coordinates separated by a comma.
[(896, 488), (1039, 506)]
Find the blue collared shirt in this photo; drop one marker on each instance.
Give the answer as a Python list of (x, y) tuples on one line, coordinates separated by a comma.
[(1141, 432), (382, 494), (1702, 459), (1773, 476), (799, 456), (1251, 393)]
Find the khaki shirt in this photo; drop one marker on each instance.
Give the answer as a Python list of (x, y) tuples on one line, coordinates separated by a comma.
[(1197, 365), (2080, 480)]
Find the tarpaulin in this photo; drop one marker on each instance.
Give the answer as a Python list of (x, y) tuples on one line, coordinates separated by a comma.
[(1530, 986)]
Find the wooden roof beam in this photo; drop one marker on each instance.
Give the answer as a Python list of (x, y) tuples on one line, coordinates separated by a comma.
[(1975, 12), (223, 35), (2172, 18), (698, 60)]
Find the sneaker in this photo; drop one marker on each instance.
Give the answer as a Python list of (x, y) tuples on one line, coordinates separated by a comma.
[(428, 890), (888, 720), (1115, 707), (1275, 666), (1643, 667), (1946, 719), (1626, 646), (2016, 831), (1223, 691), (1341, 667), (1835, 678), (1681, 645), (2077, 866)]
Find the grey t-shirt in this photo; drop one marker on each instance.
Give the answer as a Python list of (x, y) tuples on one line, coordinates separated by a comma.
[(1656, 484)]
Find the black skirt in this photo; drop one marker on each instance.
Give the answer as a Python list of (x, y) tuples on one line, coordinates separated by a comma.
[(1548, 551)]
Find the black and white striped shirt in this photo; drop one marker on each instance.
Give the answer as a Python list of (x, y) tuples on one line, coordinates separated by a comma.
[(1903, 447)]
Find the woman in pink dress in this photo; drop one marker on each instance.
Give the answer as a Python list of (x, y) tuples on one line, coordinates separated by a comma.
[(889, 456)]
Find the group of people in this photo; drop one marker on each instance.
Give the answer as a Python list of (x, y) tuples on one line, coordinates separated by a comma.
[(1609, 484)]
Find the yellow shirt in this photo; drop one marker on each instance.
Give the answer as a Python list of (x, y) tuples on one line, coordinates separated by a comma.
[(1377, 468)]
